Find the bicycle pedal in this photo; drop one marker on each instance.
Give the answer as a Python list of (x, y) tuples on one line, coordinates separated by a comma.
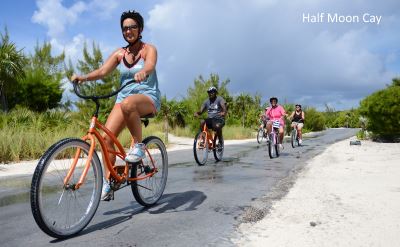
[(148, 169)]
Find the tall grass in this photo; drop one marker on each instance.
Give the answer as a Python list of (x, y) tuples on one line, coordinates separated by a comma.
[(26, 135), (229, 132)]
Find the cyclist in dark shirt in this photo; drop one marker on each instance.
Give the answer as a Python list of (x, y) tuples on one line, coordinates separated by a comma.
[(216, 111), (297, 118)]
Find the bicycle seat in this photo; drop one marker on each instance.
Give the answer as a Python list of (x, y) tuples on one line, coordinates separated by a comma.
[(145, 118), (151, 115)]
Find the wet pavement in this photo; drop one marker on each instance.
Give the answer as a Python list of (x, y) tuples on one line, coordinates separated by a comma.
[(201, 205)]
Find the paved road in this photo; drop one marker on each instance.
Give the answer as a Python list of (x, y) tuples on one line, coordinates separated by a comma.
[(201, 206)]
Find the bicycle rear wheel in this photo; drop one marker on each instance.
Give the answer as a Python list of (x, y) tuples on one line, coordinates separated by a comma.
[(260, 135), (200, 148), (149, 190), (218, 149), (63, 211)]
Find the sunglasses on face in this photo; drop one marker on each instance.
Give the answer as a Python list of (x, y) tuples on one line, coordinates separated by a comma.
[(132, 27)]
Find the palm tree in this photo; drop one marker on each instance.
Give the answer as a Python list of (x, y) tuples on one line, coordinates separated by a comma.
[(11, 66), (173, 113), (243, 101)]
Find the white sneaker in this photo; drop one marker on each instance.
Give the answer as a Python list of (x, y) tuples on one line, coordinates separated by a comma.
[(106, 192), (137, 153), (300, 141), (281, 146)]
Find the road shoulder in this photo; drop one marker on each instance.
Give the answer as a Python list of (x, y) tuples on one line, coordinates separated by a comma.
[(347, 196)]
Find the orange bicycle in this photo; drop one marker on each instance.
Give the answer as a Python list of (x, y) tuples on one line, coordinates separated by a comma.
[(67, 183), (205, 142)]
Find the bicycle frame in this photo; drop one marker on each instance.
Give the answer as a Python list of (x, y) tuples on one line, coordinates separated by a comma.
[(275, 135), (94, 134), (209, 136), (295, 128), (296, 131)]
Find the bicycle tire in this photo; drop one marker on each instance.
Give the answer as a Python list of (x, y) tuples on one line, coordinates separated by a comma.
[(218, 152), (260, 135), (277, 149), (270, 146), (47, 190), (293, 138), (200, 151), (149, 190)]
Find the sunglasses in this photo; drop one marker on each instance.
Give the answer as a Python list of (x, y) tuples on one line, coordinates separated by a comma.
[(133, 27)]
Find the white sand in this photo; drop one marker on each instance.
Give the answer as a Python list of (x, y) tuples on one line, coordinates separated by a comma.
[(351, 193)]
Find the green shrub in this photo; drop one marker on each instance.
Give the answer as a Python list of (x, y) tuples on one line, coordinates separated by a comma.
[(382, 109), (314, 120)]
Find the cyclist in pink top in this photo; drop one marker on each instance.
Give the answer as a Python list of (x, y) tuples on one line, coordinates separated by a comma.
[(276, 112)]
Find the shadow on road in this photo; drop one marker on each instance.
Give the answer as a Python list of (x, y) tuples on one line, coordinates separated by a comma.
[(175, 202)]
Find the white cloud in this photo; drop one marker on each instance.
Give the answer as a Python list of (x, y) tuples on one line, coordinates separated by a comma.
[(73, 49), (55, 16), (263, 46), (260, 45), (103, 8)]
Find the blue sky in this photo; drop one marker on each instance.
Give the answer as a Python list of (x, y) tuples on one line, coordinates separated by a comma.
[(262, 46)]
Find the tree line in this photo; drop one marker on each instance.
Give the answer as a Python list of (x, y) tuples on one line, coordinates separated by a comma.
[(35, 81)]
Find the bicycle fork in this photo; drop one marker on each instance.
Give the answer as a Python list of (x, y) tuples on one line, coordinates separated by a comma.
[(85, 170)]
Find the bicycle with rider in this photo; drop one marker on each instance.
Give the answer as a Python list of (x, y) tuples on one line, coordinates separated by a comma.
[(216, 111), (297, 118), (276, 113)]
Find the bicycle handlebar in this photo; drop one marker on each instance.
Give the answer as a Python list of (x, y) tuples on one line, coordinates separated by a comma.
[(96, 97)]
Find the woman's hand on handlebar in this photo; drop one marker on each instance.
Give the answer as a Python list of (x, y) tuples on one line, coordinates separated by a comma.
[(140, 76), (78, 79)]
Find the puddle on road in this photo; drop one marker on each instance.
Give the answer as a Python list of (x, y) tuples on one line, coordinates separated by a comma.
[(212, 174), (21, 186), (14, 199), (231, 211)]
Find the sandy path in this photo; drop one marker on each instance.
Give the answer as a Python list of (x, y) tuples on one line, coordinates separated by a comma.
[(347, 196)]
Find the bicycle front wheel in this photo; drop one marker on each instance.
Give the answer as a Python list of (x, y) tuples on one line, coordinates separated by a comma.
[(277, 148), (271, 145), (293, 138), (61, 210), (148, 191), (218, 148), (260, 135), (200, 148)]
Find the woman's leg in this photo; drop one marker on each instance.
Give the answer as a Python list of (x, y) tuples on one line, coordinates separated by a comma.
[(115, 123), (281, 132), (299, 132), (132, 108)]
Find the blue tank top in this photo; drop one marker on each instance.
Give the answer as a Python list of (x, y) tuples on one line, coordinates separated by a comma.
[(148, 87)]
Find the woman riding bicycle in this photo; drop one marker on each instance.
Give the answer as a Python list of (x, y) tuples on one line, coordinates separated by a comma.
[(216, 111), (276, 112), (136, 61), (297, 118)]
